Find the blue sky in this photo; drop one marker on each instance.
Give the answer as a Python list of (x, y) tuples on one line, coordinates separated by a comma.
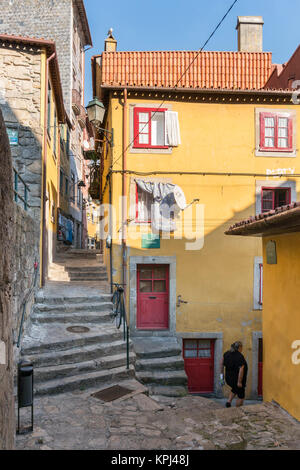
[(186, 24)]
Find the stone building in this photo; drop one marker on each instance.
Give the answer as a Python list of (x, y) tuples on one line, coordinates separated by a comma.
[(33, 129), (65, 22)]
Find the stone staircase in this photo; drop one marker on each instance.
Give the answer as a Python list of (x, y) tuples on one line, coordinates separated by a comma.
[(160, 366), (77, 266), (65, 360)]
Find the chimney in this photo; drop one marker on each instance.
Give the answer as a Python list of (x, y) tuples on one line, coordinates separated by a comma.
[(250, 33), (110, 44)]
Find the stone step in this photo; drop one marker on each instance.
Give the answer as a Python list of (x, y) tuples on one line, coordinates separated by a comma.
[(72, 307), (74, 317), (71, 299), (164, 390), (83, 381), (165, 363), (55, 338), (78, 354), (87, 277), (43, 374), (86, 269), (147, 348), (162, 377)]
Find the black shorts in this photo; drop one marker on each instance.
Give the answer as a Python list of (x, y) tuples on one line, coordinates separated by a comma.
[(239, 391)]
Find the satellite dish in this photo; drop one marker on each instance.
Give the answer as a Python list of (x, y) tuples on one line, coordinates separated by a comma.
[(179, 198)]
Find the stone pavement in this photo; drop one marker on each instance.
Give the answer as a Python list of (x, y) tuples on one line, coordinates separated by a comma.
[(79, 421)]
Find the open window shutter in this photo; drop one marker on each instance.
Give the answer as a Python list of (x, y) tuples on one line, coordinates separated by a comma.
[(172, 129), (290, 133)]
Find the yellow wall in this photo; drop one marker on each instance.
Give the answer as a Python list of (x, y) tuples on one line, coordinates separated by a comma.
[(281, 323), (216, 281)]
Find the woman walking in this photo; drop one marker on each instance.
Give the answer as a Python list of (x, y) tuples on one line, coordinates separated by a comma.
[(236, 369)]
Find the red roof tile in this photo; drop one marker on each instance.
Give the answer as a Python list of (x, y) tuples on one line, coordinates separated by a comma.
[(264, 221), (167, 69)]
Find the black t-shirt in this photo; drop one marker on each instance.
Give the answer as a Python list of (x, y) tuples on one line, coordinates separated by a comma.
[(233, 361)]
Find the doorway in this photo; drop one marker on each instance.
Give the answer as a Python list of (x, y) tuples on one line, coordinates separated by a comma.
[(153, 297), (198, 357)]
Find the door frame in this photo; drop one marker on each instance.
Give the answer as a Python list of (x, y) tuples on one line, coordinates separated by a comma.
[(256, 336), (134, 261), (218, 354)]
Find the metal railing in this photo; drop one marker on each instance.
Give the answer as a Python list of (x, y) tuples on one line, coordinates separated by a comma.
[(21, 190), (119, 315), (24, 304)]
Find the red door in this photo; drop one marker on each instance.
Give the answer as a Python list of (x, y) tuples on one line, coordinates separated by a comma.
[(153, 297), (199, 364), (260, 368)]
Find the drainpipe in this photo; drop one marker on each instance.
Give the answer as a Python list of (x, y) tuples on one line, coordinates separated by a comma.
[(124, 179), (111, 234), (44, 229)]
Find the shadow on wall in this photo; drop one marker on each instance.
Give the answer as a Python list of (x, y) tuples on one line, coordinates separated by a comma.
[(7, 413), (26, 157)]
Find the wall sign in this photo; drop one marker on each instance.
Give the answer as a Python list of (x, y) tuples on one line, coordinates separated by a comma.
[(150, 241), (13, 136), (271, 252)]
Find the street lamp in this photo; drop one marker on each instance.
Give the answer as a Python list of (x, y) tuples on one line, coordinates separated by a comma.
[(96, 112)]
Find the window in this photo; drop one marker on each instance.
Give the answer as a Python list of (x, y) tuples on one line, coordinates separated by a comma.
[(196, 348), (61, 182), (72, 187), (149, 128), (274, 197), (260, 297), (78, 196), (67, 187), (68, 143), (144, 202), (49, 111), (54, 133), (276, 132)]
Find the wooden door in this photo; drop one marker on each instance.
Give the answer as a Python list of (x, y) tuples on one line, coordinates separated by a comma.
[(198, 357), (153, 297)]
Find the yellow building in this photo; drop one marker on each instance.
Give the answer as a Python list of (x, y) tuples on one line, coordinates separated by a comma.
[(53, 115), (195, 129), (280, 230)]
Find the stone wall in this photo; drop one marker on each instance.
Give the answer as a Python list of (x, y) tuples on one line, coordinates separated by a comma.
[(7, 415), (48, 19), (20, 102), (25, 279)]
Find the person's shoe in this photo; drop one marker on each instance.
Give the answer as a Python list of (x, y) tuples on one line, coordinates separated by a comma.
[(228, 405)]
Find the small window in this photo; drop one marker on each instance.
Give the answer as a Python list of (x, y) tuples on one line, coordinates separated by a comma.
[(197, 348), (276, 132), (55, 133), (49, 111), (144, 203), (260, 297), (61, 182), (271, 198), (149, 128), (67, 187)]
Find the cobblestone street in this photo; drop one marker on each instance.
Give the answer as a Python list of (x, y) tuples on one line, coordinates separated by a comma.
[(79, 421)]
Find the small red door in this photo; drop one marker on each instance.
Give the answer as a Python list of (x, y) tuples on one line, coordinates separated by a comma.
[(153, 297), (199, 364), (260, 368)]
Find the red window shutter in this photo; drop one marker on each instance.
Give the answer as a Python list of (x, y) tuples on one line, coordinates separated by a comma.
[(290, 133)]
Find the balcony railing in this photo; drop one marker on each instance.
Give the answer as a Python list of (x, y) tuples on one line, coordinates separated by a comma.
[(21, 190)]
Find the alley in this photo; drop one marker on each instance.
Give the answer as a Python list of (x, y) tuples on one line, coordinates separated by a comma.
[(79, 421)]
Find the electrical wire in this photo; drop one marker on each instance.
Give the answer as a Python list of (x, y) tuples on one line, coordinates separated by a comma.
[(179, 80)]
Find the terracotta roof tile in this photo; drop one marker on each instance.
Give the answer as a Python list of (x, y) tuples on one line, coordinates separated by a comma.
[(254, 221), (167, 69)]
